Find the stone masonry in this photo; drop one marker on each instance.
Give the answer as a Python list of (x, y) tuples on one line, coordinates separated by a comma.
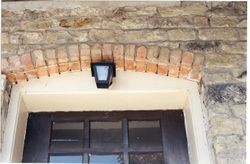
[(200, 41)]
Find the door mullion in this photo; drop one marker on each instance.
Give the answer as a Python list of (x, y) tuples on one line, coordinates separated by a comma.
[(125, 140), (86, 140)]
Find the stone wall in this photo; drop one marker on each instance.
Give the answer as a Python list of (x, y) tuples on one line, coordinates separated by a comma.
[(215, 31)]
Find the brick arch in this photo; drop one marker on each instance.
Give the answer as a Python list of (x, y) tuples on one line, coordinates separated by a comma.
[(77, 57)]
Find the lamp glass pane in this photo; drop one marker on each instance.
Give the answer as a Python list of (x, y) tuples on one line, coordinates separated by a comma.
[(102, 72)]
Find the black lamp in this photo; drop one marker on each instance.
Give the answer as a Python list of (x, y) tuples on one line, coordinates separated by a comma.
[(103, 72)]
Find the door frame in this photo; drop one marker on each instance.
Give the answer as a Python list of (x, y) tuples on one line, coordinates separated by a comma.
[(130, 91)]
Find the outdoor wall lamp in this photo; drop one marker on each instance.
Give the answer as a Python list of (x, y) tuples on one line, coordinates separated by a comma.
[(103, 72)]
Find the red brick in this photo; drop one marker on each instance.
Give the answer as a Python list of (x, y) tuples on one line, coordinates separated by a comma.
[(175, 57), (38, 58), (31, 74), (85, 64), (173, 71), (51, 56), (42, 71), (198, 62), (73, 53), (118, 56), (53, 69), (162, 69), (107, 53), (184, 71), (4, 65), (75, 66), (129, 63), (85, 52), (140, 66), (21, 77), (96, 53), (62, 54), (195, 76), (11, 78), (64, 67), (164, 56), (151, 67), (27, 62), (141, 54), (14, 63), (187, 59), (153, 54)]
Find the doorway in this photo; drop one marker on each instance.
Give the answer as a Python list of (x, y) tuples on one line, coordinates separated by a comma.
[(127, 137)]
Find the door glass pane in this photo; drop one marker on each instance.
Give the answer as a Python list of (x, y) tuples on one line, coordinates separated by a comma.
[(65, 159), (144, 134), (67, 135), (146, 158), (105, 134), (106, 159)]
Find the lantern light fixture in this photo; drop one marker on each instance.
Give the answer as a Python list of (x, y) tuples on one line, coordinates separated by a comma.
[(104, 73)]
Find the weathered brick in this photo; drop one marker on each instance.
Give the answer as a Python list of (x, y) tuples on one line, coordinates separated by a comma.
[(96, 53), (4, 65), (118, 56), (175, 59), (27, 62), (164, 56), (85, 52), (14, 63), (62, 54), (73, 52), (184, 71), (181, 34), (198, 62), (162, 69), (31, 74), (50, 56), (218, 34), (153, 54), (42, 71), (20, 77), (107, 53), (38, 58), (4, 38), (151, 67), (140, 59), (129, 57), (187, 59), (75, 66), (52, 69), (11, 78), (64, 67)]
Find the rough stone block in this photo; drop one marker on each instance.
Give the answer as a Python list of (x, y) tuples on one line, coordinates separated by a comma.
[(201, 21), (107, 55), (37, 25), (4, 38), (60, 37), (96, 53), (219, 34), (9, 49), (4, 65), (224, 21), (38, 58), (181, 34), (236, 47), (239, 110), (26, 38), (73, 53)]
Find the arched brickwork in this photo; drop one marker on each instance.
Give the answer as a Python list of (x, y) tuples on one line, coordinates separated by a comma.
[(77, 57)]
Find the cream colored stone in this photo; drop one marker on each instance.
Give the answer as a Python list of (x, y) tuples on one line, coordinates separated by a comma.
[(239, 110)]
